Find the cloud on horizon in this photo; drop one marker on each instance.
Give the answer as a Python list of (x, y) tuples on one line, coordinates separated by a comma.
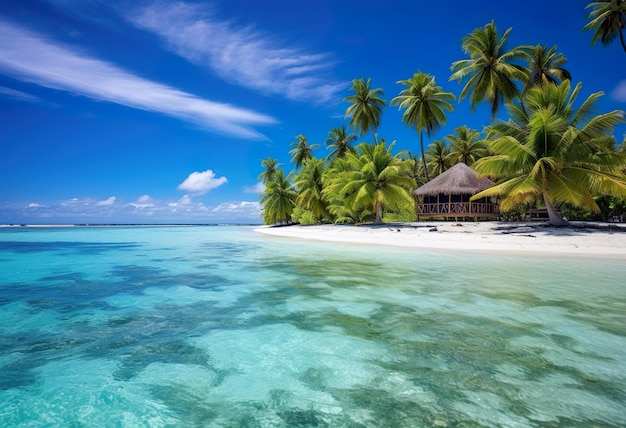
[(241, 55), (144, 209), (106, 202), (31, 57)]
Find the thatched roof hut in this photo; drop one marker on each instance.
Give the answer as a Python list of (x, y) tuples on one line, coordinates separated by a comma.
[(448, 194), (458, 180)]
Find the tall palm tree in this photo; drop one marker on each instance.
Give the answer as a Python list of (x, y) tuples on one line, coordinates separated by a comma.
[(310, 185), (374, 180), (608, 19), (271, 166), (545, 64), (491, 71), (553, 151), (466, 146), (339, 142), (302, 151), (278, 199), (424, 105), (366, 106), (438, 155)]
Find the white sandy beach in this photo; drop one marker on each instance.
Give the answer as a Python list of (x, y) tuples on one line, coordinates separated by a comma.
[(578, 239)]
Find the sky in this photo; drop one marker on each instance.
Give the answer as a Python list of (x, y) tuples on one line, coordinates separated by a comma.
[(133, 111)]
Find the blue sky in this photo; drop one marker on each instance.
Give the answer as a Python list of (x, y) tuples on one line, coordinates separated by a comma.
[(124, 111)]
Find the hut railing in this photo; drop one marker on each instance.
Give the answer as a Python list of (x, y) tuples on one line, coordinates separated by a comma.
[(458, 209)]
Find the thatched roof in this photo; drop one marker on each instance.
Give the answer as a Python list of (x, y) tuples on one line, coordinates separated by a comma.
[(458, 180)]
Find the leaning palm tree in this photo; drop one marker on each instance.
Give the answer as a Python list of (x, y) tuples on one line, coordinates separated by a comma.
[(271, 166), (608, 19), (375, 180), (491, 71), (278, 199), (366, 106), (339, 142), (466, 146), (424, 105), (545, 65), (555, 152), (438, 155), (310, 185), (302, 151)]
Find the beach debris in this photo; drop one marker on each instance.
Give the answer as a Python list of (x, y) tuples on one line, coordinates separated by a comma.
[(434, 229)]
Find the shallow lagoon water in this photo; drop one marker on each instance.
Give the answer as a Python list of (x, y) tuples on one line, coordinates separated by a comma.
[(220, 326)]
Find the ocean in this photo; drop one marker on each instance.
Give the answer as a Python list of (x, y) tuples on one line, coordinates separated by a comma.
[(219, 326)]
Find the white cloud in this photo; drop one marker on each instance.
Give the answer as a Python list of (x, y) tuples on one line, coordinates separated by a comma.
[(142, 202), (238, 209), (30, 57), (144, 209), (106, 202), (200, 183), (241, 55), (185, 200), (18, 95), (257, 188), (619, 93)]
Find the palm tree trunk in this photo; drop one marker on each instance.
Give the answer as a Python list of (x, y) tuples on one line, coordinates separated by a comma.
[(423, 155), (553, 216), (379, 213)]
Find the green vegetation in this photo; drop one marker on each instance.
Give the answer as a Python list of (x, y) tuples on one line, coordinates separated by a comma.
[(550, 152), (553, 151), (607, 18)]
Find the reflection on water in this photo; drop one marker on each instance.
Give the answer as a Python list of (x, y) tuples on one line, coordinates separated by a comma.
[(218, 326)]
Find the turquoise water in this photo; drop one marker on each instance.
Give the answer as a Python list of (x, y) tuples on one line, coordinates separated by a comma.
[(224, 327)]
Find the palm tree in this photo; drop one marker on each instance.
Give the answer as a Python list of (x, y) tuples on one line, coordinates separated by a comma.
[(608, 19), (554, 151), (339, 142), (545, 65), (333, 181), (278, 199), (466, 146), (424, 103), (438, 155), (366, 106), (374, 180), (302, 151), (271, 166), (490, 71), (309, 184)]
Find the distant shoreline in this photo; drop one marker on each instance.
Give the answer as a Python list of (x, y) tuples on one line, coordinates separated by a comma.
[(605, 240), (18, 225)]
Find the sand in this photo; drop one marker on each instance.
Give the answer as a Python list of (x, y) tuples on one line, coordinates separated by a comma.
[(577, 239)]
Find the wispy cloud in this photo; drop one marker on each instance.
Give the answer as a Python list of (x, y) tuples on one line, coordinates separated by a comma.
[(240, 209), (257, 188), (619, 93), (31, 57), (18, 95), (242, 55), (200, 183)]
